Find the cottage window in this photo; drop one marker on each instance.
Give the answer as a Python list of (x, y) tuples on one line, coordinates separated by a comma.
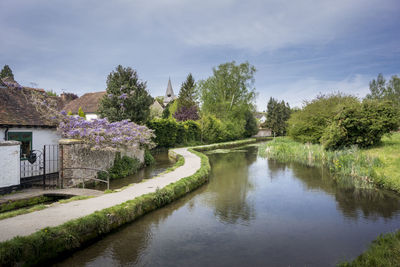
[(26, 141)]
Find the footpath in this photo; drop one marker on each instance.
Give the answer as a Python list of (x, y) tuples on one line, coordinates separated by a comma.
[(29, 223)]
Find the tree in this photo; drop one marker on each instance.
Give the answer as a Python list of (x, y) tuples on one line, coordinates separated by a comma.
[(185, 113), (6, 72), (186, 102), (229, 92), (309, 123), (278, 114), (126, 97), (250, 127), (187, 95), (381, 89), (81, 113)]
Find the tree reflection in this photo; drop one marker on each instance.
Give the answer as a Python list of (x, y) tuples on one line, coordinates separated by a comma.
[(229, 186), (372, 203)]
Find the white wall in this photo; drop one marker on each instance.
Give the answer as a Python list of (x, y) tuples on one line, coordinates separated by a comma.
[(40, 136), (91, 116), (9, 163)]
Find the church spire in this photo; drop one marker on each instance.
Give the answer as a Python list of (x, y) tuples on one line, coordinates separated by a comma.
[(169, 94)]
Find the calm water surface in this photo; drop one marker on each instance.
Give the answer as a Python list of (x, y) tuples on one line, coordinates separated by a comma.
[(253, 212), (162, 162)]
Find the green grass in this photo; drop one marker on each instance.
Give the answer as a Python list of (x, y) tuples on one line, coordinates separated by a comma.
[(21, 203), (388, 173), (21, 211), (384, 251)]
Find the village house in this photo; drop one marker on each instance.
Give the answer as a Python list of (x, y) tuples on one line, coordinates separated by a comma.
[(21, 121), (89, 103)]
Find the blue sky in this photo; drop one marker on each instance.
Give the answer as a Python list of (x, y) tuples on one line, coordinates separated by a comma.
[(300, 48)]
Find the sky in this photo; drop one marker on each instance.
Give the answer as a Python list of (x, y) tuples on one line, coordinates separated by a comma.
[(300, 48)]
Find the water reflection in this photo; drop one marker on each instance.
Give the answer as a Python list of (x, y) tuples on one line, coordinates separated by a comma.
[(231, 204), (253, 212), (353, 202)]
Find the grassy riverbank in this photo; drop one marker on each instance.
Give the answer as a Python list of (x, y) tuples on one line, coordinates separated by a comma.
[(379, 165)]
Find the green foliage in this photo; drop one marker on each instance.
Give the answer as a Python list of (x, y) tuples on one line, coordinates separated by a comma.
[(70, 113), (385, 90), (148, 158), (13, 205), (51, 93), (229, 92), (6, 72), (170, 133), (361, 124), (342, 163), (123, 166), (250, 127), (126, 98), (188, 94), (278, 114), (309, 123), (170, 109), (384, 251), (81, 113), (165, 130), (212, 129)]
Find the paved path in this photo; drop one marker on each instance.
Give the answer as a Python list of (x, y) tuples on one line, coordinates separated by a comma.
[(27, 224), (36, 192)]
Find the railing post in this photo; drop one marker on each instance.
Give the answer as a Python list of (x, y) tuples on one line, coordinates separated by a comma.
[(44, 167)]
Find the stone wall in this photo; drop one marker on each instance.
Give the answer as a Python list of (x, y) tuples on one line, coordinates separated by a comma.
[(75, 154), (9, 165)]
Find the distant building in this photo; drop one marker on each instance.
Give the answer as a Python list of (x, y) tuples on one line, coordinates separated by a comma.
[(156, 110), (88, 102), (169, 94)]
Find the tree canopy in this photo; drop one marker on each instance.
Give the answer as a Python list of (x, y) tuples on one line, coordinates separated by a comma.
[(277, 115), (126, 97), (381, 89), (6, 72), (229, 91)]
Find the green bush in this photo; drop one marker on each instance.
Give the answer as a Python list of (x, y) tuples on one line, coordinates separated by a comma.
[(192, 131), (362, 124), (250, 127), (123, 166), (212, 129), (148, 158), (166, 131), (309, 123)]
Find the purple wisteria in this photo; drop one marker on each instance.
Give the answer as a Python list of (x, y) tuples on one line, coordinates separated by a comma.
[(101, 134)]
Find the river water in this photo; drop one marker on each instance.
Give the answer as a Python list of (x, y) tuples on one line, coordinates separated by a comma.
[(253, 212)]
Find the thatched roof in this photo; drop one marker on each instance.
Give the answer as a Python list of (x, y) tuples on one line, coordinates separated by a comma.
[(88, 102)]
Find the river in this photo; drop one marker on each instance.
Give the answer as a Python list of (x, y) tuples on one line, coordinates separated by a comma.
[(253, 212)]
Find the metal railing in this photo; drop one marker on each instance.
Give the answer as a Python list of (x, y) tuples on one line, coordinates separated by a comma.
[(91, 178)]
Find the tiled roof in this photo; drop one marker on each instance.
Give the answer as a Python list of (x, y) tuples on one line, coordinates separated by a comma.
[(88, 102), (16, 108)]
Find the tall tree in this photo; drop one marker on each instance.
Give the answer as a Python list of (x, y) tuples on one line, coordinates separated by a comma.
[(6, 72), (126, 97), (278, 114), (381, 89), (230, 91), (187, 95), (187, 106)]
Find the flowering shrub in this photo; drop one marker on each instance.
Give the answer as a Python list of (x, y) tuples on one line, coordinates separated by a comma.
[(101, 134)]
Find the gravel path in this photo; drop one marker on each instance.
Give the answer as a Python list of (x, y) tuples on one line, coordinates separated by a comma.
[(27, 224)]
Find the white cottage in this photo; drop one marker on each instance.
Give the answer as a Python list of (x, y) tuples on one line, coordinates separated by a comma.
[(20, 121)]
